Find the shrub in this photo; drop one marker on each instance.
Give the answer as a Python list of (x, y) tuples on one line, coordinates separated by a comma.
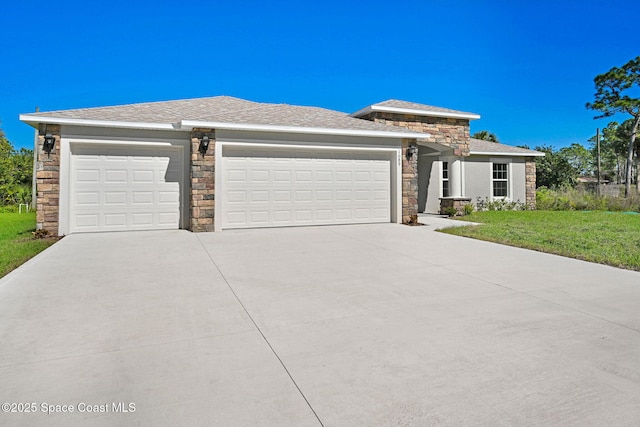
[(451, 211), (500, 205), (9, 209), (468, 209), (41, 233), (13, 194), (580, 198)]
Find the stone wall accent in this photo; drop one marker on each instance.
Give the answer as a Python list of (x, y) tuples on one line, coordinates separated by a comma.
[(202, 195), (457, 203), (451, 132), (48, 181), (409, 182), (530, 182)]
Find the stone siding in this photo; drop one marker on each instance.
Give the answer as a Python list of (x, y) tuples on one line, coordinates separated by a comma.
[(409, 183), (530, 182), (457, 203), (202, 194), (451, 132), (48, 182)]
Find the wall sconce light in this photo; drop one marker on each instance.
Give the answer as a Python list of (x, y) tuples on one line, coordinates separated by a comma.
[(204, 145), (411, 151), (49, 143)]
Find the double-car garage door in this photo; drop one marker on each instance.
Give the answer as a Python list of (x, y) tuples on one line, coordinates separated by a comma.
[(271, 187), (123, 187)]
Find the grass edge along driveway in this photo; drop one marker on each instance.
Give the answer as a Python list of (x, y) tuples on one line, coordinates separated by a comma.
[(17, 243), (611, 238)]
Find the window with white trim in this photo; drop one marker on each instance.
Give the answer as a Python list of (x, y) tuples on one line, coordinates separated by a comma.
[(445, 179), (500, 180)]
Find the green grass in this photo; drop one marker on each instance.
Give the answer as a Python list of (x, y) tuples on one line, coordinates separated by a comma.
[(611, 238), (17, 243)]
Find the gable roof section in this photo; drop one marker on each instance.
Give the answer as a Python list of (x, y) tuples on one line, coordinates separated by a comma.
[(221, 112), (405, 107), (479, 147)]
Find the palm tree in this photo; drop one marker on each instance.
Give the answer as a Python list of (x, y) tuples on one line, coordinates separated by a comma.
[(485, 135)]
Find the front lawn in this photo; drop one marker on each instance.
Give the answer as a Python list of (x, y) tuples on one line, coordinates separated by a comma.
[(17, 243), (611, 238)]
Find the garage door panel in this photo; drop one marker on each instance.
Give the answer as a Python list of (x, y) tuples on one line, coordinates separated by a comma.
[(260, 217), (380, 213), (116, 188), (236, 217), (168, 197), (115, 197), (282, 176), (115, 220), (289, 187), (117, 176), (142, 218), (282, 195), (88, 176), (260, 196), (87, 220), (142, 176), (88, 198), (168, 218)]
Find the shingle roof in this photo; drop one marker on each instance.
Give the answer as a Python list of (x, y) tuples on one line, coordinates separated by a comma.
[(222, 109), (482, 146), (429, 110)]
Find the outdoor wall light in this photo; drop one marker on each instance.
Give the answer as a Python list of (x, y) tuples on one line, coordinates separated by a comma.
[(49, 143), (204, 145), (411, 151)]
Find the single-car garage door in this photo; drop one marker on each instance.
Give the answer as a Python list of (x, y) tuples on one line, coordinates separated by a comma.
[(275, 187), (117, 188)]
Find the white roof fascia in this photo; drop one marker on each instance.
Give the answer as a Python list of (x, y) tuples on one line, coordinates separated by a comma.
[(31, 119), (449, 114), (491, 153), (189, 124)]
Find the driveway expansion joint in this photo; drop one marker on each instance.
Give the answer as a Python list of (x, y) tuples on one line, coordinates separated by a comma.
[(261, 333)]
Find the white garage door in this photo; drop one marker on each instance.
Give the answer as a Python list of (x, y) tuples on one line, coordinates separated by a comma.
[(278, 187), (116, 188)]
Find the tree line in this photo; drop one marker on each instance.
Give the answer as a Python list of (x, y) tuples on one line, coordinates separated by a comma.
[(619, 151), (617, 92), (16, 173), (563, 167)]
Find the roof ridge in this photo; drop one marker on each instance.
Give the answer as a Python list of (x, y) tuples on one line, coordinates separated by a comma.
[(216, 110)]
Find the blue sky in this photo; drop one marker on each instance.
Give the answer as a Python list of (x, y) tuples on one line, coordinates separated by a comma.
[(526, 67)]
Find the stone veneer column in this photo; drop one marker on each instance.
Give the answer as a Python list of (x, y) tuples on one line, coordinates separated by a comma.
[(530, 182), (48, 182), (451, 132), (202, 194), (409, 182)]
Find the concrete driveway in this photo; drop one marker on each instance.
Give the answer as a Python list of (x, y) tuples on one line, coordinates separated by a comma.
[(336, 326)]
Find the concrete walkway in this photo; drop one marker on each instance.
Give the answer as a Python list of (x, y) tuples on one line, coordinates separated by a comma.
[(336, 326), (435, 222)]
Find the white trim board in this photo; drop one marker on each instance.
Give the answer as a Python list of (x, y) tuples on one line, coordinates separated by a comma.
[(417, 112), (183, 125)]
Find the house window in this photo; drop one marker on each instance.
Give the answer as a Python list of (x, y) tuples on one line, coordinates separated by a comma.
[(500, 180), (445, 179)]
